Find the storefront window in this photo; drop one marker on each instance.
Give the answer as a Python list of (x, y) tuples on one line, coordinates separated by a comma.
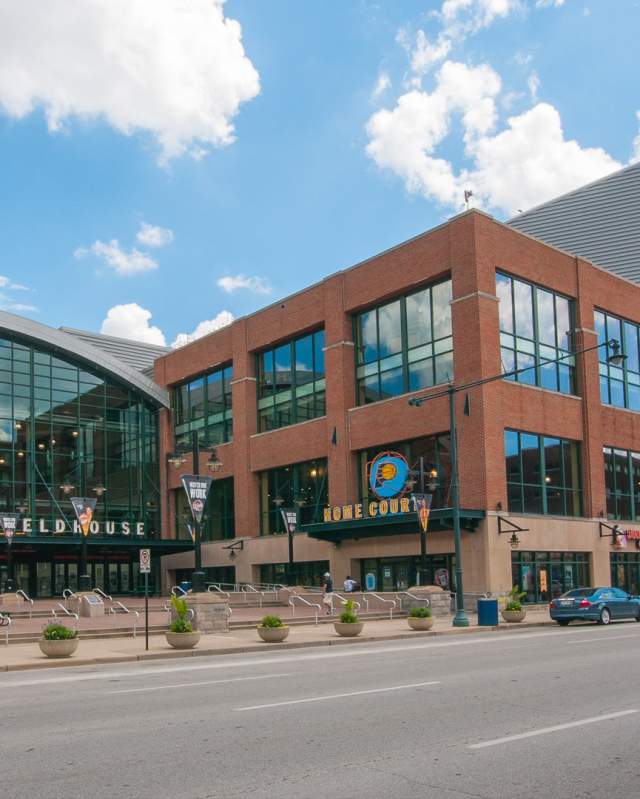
[(535, 330), (622, 483), (543, 474), (218, 519), (405, 344), (619, 385), (399, 574), (225, 576), (307, 573), (300, 485), (204, 404), (625, 571), (545, 575), (291, 382)]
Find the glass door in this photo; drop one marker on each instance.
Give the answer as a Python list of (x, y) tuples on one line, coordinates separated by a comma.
[(113, 578), (22, 573), (98, 576), (44, 583), (125, 581)]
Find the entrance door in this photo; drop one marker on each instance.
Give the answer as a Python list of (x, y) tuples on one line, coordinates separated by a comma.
[(22, 573), (44, 583), (65, 575)]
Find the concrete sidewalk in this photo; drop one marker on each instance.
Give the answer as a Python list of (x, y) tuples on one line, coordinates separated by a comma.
[(117, 650)]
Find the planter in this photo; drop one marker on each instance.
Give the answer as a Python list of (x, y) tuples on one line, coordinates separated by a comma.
[(273, 635), (183, 640), (58, 649), (512, 616), (420, 624), (348, 630)]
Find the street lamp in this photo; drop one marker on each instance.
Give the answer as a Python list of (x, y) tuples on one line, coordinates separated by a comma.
[(88, 507), (615, 358)]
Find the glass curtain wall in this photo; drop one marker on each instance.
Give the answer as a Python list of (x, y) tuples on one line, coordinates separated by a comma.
[(301, 485), (622, 483), (619, 385), (545, 575), (535, 329), (625, 571), (291, 382), (204, 404), (218, 519), (308, 573), (404, 345), (543, 474)]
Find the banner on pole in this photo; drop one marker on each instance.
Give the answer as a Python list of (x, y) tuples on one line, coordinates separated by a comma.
[(422, 504), (84, 508), (197, 490), (290, 519), (9, 523)]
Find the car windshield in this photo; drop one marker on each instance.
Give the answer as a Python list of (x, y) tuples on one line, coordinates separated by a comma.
[(580, 592)]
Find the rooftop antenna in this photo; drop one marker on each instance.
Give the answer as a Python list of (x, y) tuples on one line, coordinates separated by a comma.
[(467, 195)]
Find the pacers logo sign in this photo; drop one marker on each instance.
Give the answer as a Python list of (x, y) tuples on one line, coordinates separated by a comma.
[(388, 474)]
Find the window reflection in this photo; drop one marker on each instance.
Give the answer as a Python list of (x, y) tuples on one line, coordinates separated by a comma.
[(203, 404)]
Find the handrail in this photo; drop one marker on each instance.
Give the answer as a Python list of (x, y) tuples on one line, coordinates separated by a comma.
[(67, 593), (413, 597), (247, 588), (214, 587), (342, 599), (292, 599), (5, 621), (177, 588), (393, 603), (124, 608), (66, 611), (102, 594), (26, 598)]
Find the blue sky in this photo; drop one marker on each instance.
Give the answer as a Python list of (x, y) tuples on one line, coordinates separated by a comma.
[(159, 167)]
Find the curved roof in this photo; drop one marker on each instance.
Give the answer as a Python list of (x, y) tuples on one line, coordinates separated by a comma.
[(58, 342)]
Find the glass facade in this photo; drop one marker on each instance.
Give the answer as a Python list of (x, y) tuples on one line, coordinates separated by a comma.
[(203, 404), (545, 575), (535, 329), (302, 485), (291, 382), (220, 575), (404, 345), (622, 483), (218, 519), (543, 474), (625, 571), (619, 385), (307, 573), (400, 574)]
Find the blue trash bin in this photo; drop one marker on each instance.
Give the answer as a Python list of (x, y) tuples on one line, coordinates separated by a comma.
[(487, 612), (185, 585)]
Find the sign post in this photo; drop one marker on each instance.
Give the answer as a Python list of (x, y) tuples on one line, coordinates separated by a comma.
[(197, 489), (9, 522), (145, 568), (290, 520), (84, 508)]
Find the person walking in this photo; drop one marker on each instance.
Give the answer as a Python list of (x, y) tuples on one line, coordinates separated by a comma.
[(327, 593), (348, 584)]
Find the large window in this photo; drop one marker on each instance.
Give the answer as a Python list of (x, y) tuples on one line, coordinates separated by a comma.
[(291, 382), (535, 329), (625, 571), (204, 404), (619, 385), (622, 483), (405, 345), (545, 575), (308, 573), (301, 485), (543, 474), (218, 518)]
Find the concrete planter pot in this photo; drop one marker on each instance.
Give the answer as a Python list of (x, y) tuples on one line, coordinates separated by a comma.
[(348, 630), (420, 624), (513, 616), (58, 649), (183, 640), (273, 635)]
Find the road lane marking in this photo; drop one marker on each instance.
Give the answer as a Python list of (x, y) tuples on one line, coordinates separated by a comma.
[(194, 684), (339, 696), (602, 638), (556, 728)]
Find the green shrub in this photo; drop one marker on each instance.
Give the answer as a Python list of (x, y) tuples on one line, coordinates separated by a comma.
[(181, 623), (349, 615), (271, 621), (515, 595), (420, 613), (58, 632)]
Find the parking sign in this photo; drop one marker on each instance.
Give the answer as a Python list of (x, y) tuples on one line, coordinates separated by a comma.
[(145, 561)]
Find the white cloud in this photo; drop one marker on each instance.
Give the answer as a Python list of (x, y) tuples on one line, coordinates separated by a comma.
[(426, 54), (132, 321), (635, 146), (154, 236), (469, 16), (223, 319), (549, 3), (123, 262), (8, 304), (7, 283), (382, 84), (231, 283), (173, 69), (533, 84)]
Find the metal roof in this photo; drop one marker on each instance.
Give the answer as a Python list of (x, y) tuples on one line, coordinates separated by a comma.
[(599, 222), (57, 341), (137, 354)]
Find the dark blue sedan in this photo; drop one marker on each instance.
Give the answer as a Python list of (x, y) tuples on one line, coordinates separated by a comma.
[(595, 604)]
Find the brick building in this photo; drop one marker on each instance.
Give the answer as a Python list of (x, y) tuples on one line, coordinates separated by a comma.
[(300, 396)]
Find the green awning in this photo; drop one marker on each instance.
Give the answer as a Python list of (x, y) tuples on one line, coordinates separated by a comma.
[(398, 524), (158, 546)]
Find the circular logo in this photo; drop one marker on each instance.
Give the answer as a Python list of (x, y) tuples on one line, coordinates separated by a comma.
[(197, 505), (388, 474)]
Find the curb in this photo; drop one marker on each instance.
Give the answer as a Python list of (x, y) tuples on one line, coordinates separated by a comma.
[(171, 654)]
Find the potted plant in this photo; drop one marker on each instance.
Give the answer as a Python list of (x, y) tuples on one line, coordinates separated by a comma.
[(181, 634), (272, 630), (420, 618), (349, 624), (58, 641), (512, 611)]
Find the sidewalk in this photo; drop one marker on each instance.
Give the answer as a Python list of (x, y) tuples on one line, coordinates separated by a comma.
[(118, 650)]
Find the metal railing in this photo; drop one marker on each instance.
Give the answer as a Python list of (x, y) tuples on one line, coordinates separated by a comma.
[(124, 609), (67, 593), (294, 597), (59, 607), (215, 587), (176, 589), (391, 602), (101, 593), (248, 588), (412, 597), (21, 593), (5, 621), (343, 600)]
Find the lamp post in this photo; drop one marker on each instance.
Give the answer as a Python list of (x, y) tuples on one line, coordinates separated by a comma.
[(428, 479), (615, 358), (84, 578)]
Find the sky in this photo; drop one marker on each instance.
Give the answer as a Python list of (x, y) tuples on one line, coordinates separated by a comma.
[(167, 166)]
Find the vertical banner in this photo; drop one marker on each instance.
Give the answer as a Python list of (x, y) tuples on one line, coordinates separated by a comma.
[(197, 490), (9, 524), (290, 519), (84, 508), (422, 505), (191, 532)]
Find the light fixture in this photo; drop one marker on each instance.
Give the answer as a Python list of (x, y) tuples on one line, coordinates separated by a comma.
[(176, 459), (278, 501), (299, 501), (41, 446), (213, 463), (21, 454), (313, 473), (99, 490), (547, 479), (67, 488), (75, 433), (616, 358), (514, 541), (18, 425)]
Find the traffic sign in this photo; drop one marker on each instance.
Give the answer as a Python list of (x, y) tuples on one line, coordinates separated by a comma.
[(145, 561)]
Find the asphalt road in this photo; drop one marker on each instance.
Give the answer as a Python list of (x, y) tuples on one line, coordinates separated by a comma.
[(551, 713)]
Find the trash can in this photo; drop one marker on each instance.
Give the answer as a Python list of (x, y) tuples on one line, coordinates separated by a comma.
[(487, 612), (185, 585)]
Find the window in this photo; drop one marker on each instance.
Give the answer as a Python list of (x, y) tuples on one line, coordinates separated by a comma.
[(405, 344), (291, 382), (619, 385), (308, 573), (224, 576), (204, 404), (218, 520), (545, 575), (625, 571), (622, 483), (535, 329), (543, 474), (301, 485)]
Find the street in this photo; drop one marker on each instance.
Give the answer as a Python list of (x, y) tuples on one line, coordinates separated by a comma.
[(545, 712)]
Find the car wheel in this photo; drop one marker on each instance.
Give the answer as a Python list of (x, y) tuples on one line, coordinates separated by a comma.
[(605, 616), (565, 622)]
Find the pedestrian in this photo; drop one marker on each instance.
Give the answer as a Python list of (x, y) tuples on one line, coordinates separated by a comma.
[(327, 593), (348, 584)]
